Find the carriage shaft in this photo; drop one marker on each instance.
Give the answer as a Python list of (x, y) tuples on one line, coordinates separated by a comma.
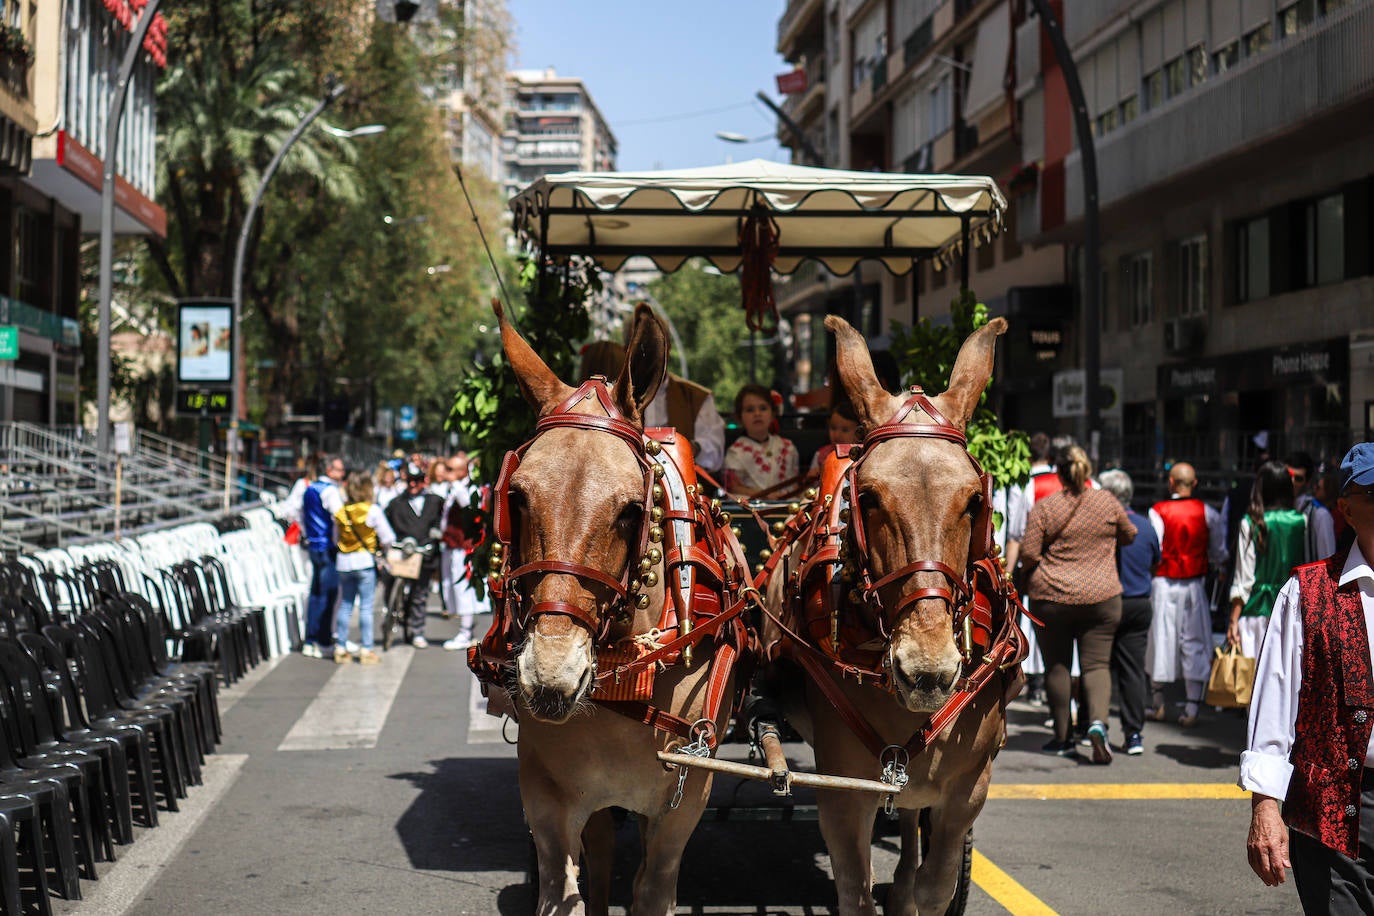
[(749, 771)]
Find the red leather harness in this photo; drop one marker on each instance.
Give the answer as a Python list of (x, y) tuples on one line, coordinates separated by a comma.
[(712, 606), (833, 618)]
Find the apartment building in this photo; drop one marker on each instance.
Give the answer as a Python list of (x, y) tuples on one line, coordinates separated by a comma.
[(1235, 154), (552, 125), (57, 62), (920, 86), (470, 90)]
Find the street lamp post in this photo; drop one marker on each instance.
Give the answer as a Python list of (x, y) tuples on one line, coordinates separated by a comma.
[(332, 92), (107, 203)]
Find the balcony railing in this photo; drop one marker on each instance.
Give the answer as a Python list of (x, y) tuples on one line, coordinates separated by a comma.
[(1300, 77), (916, 43), (14, 74)]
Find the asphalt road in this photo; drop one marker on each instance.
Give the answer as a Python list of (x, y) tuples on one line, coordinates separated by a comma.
[(319, 803)]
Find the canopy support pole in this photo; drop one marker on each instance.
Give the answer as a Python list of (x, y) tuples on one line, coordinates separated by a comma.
[(963, 248)]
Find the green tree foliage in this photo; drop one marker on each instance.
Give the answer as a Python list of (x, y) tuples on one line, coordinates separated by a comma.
[(705, 309), (926, 352)]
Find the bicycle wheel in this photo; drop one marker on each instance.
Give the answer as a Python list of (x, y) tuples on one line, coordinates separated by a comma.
[(394, 595)]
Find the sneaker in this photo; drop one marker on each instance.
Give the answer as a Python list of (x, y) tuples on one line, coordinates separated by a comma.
[(368, 657), (342, 656), (352, 647), (310, 650), (1084, 740), (1134, 746), (1102, 751), (420, 642), (461, 641), (1060, 748)]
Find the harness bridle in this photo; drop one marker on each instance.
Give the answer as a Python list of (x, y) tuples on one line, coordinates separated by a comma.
[(959, 590), (563, 417)]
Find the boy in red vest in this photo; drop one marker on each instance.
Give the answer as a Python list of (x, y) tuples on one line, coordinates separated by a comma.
[(1311, 717), (1191, 536)]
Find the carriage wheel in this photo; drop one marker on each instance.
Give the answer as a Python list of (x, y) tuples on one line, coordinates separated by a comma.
[(959, 902)]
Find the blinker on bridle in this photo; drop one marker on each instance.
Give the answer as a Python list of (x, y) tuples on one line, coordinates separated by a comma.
[(640, 562)]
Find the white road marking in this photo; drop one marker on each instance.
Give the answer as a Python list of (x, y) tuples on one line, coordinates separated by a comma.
[(352, 707), (121, 888), (484, 728)]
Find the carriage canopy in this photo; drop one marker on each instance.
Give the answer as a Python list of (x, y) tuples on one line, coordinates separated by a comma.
[(835, 217)]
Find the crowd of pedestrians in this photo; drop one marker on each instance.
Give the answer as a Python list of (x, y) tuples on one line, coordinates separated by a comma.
[(347, 521), (1129, 596)]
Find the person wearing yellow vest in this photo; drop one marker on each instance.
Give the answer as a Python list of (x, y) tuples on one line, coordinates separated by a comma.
[(361, 530), (1273, 540), (1191, 536)]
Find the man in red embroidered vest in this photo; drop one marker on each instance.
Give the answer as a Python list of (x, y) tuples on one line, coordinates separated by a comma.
[(1311, 717), (1191, 535)]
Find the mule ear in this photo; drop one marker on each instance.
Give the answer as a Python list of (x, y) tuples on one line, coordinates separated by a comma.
[(646, 363), (972, 369), (855, 366), (537, 382)]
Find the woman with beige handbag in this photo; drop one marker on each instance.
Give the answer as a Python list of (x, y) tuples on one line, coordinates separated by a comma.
[(360, 530)]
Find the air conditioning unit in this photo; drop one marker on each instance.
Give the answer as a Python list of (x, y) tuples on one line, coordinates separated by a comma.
[(1184, 335)]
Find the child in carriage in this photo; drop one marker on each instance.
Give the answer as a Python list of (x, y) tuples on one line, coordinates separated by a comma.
[(760, 459), (844, 429)]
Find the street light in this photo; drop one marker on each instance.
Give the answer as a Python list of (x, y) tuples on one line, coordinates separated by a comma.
[(365, 130), (729, 136), (438, 269), (395, 222)]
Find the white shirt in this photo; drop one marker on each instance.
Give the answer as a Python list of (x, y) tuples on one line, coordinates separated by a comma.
[(331, 497), (1265, 767), (291, 508), (1216, 532), (384, 495), (1010, 503), (708, 432), (361, 559)]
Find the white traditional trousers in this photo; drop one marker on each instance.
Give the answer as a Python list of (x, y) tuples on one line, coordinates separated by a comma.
[(459, 597), (1180, 632)]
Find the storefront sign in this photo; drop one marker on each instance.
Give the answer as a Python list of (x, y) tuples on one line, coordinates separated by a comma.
[(1070, 393), (1321, 363), (9, 342)]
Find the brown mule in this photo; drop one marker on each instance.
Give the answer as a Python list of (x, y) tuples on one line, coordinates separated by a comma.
[(578, 512), (919, 502)]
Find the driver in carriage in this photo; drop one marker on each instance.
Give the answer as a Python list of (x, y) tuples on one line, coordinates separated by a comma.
[(682, 404)]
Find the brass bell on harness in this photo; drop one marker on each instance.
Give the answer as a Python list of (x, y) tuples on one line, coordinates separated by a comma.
[(497, 548), (758, 568), (793, 508), (656, 513), (655, 533), (715, 506), (655, 555), (726, 518), (634, 585), (811, 493), (845, 515), (658, 471), (737, 531), (645, 564), (652, 447), (995, 550), (658, 492), (779, 527), (650, 579), (765, 553), (642, 602)]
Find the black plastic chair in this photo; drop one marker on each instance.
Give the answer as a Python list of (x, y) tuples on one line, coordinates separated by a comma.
[(19, 817)]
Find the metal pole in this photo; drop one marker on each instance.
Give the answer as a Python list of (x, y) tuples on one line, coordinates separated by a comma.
[(807, 149), (332, 91), (107, 202), (1092, 270)]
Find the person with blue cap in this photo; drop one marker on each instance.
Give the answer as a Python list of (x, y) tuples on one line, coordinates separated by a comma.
[(1312, 717)]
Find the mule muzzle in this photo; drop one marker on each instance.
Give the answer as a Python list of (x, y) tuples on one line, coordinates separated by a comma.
[(924, 683), (554, 672)]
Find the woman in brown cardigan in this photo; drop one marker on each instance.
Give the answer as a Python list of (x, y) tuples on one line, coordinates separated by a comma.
[(1070, 550)]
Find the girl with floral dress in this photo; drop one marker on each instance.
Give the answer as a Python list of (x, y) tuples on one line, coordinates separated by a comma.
[(760, 458)]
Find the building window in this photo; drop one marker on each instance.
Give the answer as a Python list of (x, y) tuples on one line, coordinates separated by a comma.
[(1138, 289), (1154, 89), (1011, 242), (1191, 259), (1106, 122), (1176, 77), (1130, 109), (1257, 41), (941, 110), (1252, 260), (1226, 58), (1297, 17), (1324, 238), (1197, 65)]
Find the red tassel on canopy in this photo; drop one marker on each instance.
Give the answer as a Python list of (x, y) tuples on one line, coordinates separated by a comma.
[(758, 241)]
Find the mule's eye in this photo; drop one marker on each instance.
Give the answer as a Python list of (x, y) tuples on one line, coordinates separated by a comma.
[(630, 517), (868, 500), (975, 505)]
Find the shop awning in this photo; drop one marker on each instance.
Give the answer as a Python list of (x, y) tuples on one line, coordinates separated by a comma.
[(835, 217)]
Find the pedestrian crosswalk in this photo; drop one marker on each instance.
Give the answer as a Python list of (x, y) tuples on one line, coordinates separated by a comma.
[(351, 709)]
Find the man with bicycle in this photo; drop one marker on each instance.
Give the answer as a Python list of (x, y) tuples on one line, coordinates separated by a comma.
[(418, 515)]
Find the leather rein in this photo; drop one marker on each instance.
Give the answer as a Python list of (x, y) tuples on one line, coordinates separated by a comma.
[(831, 531), (714, 557)]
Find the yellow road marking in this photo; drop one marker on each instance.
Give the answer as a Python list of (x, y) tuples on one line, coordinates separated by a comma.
[(1001, 887), (1119, 791)]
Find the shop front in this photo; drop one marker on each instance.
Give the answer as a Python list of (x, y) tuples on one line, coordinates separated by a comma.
[(1225, 411)]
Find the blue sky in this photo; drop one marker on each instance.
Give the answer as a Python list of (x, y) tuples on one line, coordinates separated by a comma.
[(666, 76)]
